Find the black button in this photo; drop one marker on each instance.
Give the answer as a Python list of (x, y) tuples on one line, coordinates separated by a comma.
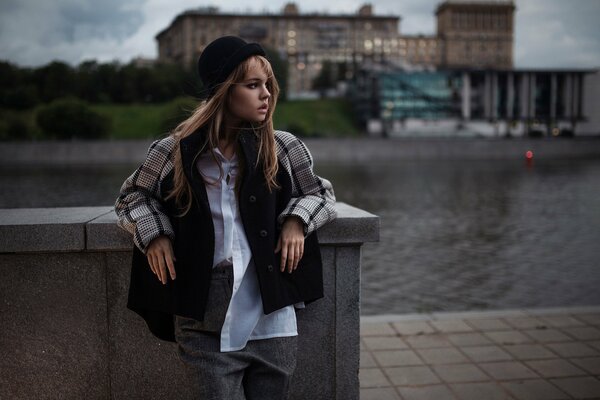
[(252, 199), (270, 268), (263, 233)]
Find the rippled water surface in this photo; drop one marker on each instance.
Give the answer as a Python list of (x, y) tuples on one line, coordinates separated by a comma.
[(455, 235)]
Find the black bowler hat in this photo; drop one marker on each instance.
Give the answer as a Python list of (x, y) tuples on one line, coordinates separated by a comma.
[(221, 57)]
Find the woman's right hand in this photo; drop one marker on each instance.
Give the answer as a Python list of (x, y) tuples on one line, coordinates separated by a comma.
[(160, 257)]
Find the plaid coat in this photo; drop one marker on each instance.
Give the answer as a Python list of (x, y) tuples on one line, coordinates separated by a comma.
[(143, 210)]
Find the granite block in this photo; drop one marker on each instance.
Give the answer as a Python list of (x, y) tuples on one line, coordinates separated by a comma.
[(102, 233), (316, 341), (378, 394), (135, 354), (428, 392), (347, 322), (397, 358), (409, 376), (455, 373), (352, 226), (573, 349), (45, 229), (556, 368), (534, 389), (508, 370), (373, 377), (486, 353), (54, 341), (580, 387), (480, 391)]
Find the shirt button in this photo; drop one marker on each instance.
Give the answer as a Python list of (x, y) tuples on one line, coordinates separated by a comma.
[(270, 268), (252, 199), (263, 233)]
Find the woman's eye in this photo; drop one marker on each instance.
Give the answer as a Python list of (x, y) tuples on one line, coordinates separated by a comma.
[(252, 85)]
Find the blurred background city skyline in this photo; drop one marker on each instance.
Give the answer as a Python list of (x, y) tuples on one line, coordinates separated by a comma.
[(548, 33)]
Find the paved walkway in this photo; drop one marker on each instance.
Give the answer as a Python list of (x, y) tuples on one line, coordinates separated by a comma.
[(513, 354)]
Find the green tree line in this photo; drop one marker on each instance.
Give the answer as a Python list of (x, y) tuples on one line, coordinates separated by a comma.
[(24, 88)]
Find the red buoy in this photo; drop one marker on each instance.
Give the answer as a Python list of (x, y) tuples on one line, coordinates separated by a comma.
[(529, 155)]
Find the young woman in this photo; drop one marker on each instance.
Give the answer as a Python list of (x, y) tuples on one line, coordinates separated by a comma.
[(223, 214)]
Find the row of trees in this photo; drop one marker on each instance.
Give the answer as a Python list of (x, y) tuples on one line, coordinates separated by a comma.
[(23, 88)]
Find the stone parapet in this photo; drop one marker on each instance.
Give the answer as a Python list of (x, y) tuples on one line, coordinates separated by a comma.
[(66, 331)]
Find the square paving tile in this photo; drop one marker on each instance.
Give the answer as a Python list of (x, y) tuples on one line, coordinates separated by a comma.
[(591, 364), (547, 335), (413, 327), (372, 377), (430, 392), (508, 370), (451, 326), (534, 389), (455, 373), (525, 322), (366, 360), (378, 394), (558, 321), (371, 329), (486, 353), (442, 355), (488, 324), (579, 387), (595, 344), (384, 343), (428, 341), (583, 332), (573, 349), (555, 368), (397, 358), (529, 351), (468, 339), (409, 376), (508, 337), (592, 319), (480, 391)]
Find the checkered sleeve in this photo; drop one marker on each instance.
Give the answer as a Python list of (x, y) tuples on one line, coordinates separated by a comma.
[(139, 207), (313, 199)]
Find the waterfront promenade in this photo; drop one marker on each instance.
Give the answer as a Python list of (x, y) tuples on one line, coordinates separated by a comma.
[(529, 354)]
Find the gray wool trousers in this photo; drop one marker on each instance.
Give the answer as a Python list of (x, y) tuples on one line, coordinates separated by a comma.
[(260, 371)]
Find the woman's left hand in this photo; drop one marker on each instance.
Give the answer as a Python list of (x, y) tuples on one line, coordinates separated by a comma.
[(291, 243)]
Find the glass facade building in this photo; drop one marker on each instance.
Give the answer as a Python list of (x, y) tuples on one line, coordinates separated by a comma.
[(539, 100)]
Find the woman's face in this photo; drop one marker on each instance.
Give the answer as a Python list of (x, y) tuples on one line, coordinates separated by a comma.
[(249, 99)]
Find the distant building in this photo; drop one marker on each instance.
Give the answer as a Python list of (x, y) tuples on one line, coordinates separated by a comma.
[(306, 41), (476, 33), (470, 34), (486, 102), (421, 50)]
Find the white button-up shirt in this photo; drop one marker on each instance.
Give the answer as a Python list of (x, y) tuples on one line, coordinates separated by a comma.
[(245, 319)]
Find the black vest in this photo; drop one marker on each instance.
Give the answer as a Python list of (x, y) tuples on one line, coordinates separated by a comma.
[(194, 247)]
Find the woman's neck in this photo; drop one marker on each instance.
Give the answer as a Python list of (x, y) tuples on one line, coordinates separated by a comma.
[(227, 140)]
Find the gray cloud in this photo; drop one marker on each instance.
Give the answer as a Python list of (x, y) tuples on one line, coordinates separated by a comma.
[(34, 32)]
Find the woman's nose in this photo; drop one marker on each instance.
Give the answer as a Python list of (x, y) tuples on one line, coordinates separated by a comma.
[(265, 93)]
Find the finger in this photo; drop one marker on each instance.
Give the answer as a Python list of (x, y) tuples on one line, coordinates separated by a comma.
[(170, 264), (278, 247), (298, 256), (162, 269), (151, 262), (291, 258), (284, 256)]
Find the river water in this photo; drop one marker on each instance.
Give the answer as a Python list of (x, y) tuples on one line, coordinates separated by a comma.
[(455, 235)]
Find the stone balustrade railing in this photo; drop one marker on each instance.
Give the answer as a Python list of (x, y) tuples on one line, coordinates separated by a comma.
[(66, 332)]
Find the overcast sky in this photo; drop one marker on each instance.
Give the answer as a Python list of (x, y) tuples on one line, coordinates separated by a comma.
[(548, 33)]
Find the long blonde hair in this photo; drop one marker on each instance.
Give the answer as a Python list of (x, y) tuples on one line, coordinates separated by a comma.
[(210, 114)]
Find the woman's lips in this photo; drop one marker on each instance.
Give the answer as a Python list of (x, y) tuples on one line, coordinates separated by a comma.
[(263, 109)]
